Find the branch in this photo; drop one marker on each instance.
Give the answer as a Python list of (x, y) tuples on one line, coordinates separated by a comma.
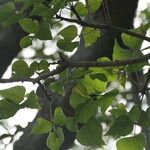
[(104, 26), (109, 63), (79, 64)]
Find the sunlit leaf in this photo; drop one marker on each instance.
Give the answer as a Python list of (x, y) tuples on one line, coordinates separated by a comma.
[(55, 139), (14, 94), (81, 9), (42, 126), (132, 143), (25, 42), (69, 33), (90, 36)]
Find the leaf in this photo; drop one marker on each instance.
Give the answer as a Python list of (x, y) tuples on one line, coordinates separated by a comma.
[(99, 76), (94, 5), (59, 117), (44, 32), (6, 10), (106, 100), (27, 4), (134, 113), (42, 126), (14, 94), (90, 36), (12, 19), (132, 42), (93, 86), (67, 45), (25, 42), (20, 69), (120, 110), (121, 127), (41, 10), (81, 9), (55, 139), (69, 33), (7, 109), (42, 65), (32, 101), (122, 80), (144, 120), (85, 111), (29, 25), (58, 86), (132, 143), (71, 124), (77, 97), (90, 134)]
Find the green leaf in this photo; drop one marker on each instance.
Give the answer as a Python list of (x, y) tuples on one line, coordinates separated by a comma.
[(93, 86), (29, 25), (25, 42), (94, 5), (107, 99), (27, 4), (55, 139), (99, 76), (41, 10), (109, 73), (32, 101), (58, 86), (67, 45), (42, 65), (122, 80), (121, 127), (71, 124), (6, 10), (144, 120), (69, 33), (132, 143), (134, 113), (120, 110), (77, 97), (14, 94), (20, 69), (42, 126), (132, 42), (59, 117), (7, 109), (90, 134), (12, 19), (90, 36), (81, 9), (44, 32), (85, 111)]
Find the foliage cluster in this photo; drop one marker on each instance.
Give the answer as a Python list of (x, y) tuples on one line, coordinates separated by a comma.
[(98, 112)]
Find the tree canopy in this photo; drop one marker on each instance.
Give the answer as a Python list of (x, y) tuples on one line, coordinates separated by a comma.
[(79, 93)]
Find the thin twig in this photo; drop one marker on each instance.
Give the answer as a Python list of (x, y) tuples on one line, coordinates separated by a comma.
[(104, 26), (78, 64)]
